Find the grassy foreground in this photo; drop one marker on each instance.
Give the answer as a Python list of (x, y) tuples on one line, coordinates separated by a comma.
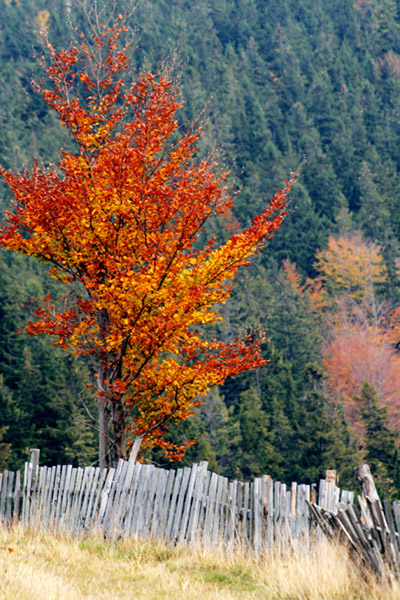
[(44, 567)]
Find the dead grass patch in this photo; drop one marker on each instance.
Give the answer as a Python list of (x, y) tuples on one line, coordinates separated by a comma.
[(36, 566)]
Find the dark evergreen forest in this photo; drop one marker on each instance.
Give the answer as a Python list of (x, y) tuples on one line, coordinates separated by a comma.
[(277, 85)]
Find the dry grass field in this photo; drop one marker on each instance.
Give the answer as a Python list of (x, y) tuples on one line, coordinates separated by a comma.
[(43, 567)]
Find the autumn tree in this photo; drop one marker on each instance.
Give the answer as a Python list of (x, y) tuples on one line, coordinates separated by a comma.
[(353, 267), (359, 346), (118, 222), (356, 353)]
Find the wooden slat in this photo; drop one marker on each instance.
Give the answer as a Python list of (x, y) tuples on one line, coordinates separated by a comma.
[(105, 493), (207, 529), (123, 499), (257, 516), (188, 502), (41, 497), (180, 504), (277, 517), (84, 497), (322, 494), (238, 538), (203, 506), (60, 496), (132, 499), (85, 506), (299, 516), (393, 539), (306, 518), (223, 508), (9, 498), (166, 506), (54, 496), (42, 489), (263, 514), (177, 481), (65, 499), (25, 495), (113, 497), (231, 514), (159, 503), (293, 514), (269, 512), (70, 495), (302, 514), (144, 501), (91, 521), (288, 518), (48, 490), (87, 510), (215, 512), (251, 516), (148, 507), (3, 496), (140, 500), (75, 506), (283, 520), (245, 516), (34, 471), (17, 496)]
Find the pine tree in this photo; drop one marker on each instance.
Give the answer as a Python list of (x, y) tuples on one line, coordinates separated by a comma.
[(5, 451), (381, 450), (322, 440), (259, 455)]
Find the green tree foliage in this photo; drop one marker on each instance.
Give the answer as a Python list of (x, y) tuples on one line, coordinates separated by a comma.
[(5, 450), (303, 435), (40, 390), (381, 450), (259, 455)]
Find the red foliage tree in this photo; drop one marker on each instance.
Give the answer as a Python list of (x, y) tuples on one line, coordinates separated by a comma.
[(118, 223), (359, 353), (358, 347)]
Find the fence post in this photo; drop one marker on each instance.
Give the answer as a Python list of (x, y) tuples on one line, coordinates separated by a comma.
[(331, 476), (135, 449), (30, 482), (35, 454)]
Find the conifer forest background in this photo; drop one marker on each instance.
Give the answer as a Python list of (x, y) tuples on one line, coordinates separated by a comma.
[(276, 85)]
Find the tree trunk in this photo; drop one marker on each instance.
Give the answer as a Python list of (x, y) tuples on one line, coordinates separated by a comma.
[(110, 370), (104, 441), (119, 428)]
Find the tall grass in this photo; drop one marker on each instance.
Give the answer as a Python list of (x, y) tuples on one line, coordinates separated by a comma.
[(42, 567)]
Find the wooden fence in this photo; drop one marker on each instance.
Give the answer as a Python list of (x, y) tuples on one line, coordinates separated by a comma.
[(188, 505)]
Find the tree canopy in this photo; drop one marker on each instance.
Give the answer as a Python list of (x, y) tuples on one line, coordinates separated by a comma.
[(118, 222)]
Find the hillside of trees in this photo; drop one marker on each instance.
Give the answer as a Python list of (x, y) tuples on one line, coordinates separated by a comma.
[(276, 86)]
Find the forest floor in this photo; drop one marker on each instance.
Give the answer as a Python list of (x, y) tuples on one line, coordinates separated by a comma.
[(44, 567)]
